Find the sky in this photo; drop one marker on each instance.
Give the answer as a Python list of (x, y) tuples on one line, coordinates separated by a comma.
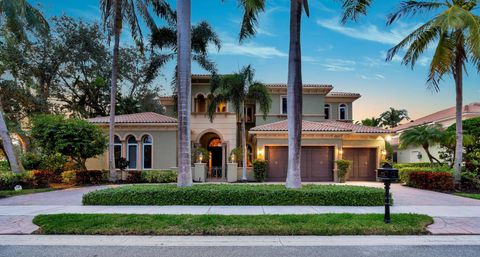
[(350, 57)]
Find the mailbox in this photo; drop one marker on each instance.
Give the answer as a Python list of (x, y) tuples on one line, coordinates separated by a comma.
[(387, 173)]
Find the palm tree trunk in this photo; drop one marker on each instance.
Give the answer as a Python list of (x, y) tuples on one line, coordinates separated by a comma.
[(458, 75), (244, 145), (113, 92), (184, 92), (429, 155), (294, 98), (7, 144)]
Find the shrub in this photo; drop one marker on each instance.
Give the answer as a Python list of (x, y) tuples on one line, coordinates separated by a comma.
[(236, 195), (53, 162), (69, 177), (342, 167), (438, 181), (404, 172), (8, 180), (470, 181), (95, 177), (4, 166), (203, 152), (260, 170), (159, 176), (134, 176), (32, 160), (415, 165), (42, 178)]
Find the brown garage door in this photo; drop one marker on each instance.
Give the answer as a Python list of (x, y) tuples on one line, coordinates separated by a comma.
[(317, 163), (364, 163)]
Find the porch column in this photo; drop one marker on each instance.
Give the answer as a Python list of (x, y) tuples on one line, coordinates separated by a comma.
[(224, 154)]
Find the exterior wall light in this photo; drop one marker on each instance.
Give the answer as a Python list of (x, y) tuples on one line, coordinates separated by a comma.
[(384, 152), (200, 157), (388, 138), (340, 151), (260, 153)]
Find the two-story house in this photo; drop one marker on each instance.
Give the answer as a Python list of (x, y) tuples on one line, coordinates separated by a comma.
[(148, 140)]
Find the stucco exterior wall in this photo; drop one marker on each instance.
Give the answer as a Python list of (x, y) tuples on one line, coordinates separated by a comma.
[(164, 153), (410, 154), (224, 124), (334, 109)]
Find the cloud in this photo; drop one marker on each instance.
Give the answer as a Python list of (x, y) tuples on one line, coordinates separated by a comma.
[(373, 77), (369, 32), (339, 65), (249, 49), (327, 47)]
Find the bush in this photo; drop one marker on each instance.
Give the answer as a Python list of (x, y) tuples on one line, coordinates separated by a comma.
[(260, 170), (404, 172), (4, 166), (36, 161), (437, 181), (342, 167), (236, 195), (159, 176), (69, 177), (32, 160), (42, 178), (414, 165), (134, 176), (8, 180), (95, 177)]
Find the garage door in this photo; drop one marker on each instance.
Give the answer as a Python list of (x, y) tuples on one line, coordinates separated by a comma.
[(364, 163), (317, 163)]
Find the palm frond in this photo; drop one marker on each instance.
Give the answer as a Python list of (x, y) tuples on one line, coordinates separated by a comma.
[(258, 92), (352, 9), (411, 8), (163, 10), (130, 16), (419, 45), (202, 36), (251, 10), (442, 60)]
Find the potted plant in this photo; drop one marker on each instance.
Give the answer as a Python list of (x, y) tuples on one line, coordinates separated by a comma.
[(342, 168), (122, 164)]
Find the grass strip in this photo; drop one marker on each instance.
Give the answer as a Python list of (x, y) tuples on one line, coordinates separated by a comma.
[(321, 224), (9, 193), (332, 195), (469, 195)]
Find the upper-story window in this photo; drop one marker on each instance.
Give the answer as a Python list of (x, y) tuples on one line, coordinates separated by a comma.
[(249, 113), (222, 107), (342, 112), (326, 109), (201, 103), (283, 104)]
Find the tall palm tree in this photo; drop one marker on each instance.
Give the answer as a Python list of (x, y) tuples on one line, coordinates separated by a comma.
[(456, 32), (423, 136), (18, 17), (238, 88), (114, 14), (393, 117)]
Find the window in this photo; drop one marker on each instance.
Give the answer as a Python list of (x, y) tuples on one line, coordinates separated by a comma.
[(222, 107), (249, 113), (147, 152), (132, 148), (117, 150), (342, 112), (327, 111), (283, 104), (201, 104)]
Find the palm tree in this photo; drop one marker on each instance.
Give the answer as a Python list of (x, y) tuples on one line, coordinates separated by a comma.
[(456, 32), (238, 88), (371, 122), (393, 117), (114, 13), (423, 136), (18, 18)]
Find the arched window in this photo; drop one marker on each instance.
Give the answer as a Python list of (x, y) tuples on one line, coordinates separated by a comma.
[(326, 110), (147, 147), (117, 150), (201, 104), (342, 112), (132, 150), (216, 142), (222, 107)]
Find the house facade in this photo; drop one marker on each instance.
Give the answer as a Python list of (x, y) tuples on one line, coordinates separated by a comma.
[(328, 134), (445, 118)]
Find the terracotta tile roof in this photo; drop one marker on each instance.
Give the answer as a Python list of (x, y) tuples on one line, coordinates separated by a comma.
[(343, 94), (325, 126), (440, 116), (304, 85), (144, 117)]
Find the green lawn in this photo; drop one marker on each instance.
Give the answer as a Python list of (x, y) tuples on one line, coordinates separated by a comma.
[(322, 224), (469, 195), (9, 193), (208, 194)]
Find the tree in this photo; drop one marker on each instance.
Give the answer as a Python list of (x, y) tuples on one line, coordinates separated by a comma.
[(72, 137), (393, 117), (114, 13), (456, 32), (238, 88), (371, 122), (18, 18), (423, 136)]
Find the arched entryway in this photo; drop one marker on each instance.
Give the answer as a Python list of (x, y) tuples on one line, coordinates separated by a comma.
[(216, 150)]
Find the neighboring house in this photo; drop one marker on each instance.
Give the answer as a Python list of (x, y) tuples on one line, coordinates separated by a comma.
[(328, 134), (444, 117)]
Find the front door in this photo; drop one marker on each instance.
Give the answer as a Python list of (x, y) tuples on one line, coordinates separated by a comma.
[(215, 162)]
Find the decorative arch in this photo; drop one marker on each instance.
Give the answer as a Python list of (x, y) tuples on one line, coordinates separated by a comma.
[(343, 111), (210, 130), (147, 151)]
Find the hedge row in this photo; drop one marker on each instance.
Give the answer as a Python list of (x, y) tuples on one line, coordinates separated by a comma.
[(437, 181), (236, 195), (404, 172)]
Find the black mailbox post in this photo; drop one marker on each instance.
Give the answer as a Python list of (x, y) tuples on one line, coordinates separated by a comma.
[(387, 175)]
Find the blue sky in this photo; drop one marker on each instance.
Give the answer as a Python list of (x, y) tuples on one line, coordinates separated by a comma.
[(350, 57)]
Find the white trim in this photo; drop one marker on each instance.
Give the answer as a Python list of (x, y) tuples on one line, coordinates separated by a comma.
[(128, 152), (329, 111), (281, 104), (346, 111), (143, 151)]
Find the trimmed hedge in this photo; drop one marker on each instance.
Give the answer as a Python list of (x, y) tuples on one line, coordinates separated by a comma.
[(260, 170), (159, 176), (437, 181), (405, 171), (236, 195)]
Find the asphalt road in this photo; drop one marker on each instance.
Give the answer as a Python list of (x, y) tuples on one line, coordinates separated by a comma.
[(237, 251)]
